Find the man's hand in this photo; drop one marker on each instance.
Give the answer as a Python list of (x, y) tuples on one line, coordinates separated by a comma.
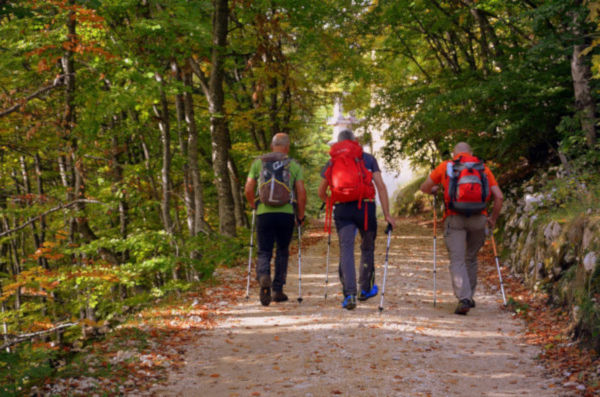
[(491, 223), (390, 219), (300, 221), (435, 189), (249, 189)]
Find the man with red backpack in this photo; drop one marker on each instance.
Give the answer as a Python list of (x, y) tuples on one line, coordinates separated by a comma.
[(350, 175), (468, 186)]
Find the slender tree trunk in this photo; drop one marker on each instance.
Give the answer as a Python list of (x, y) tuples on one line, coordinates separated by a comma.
[(40, 191), (274, 106), (69, 122), (581, 73), (120, 189), (200, 224), (584, 102), (236, 188), (218, 121), (149, 171), (188, 192), (16, 268), (27, 186), (165, 136)]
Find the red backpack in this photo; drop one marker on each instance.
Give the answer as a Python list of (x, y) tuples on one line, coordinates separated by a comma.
[(348, 178), (468, 187)]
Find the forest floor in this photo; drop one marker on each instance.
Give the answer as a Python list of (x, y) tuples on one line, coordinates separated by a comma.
[(215, 343), (316, 348)]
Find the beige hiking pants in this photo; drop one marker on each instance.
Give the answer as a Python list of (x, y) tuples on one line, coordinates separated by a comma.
[(464, 237)]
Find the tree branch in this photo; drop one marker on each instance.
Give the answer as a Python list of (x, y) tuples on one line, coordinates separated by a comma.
[(24, 337), (198, 72), (60, 207), (57, 83)]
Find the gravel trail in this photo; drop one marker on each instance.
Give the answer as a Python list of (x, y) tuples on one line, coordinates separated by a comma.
[(410, 349)]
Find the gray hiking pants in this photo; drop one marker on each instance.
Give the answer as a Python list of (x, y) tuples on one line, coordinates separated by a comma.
[(348, 219), (464, 237)]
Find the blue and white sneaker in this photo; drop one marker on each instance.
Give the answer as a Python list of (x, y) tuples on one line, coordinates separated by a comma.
[(364, 295), (349, 302)]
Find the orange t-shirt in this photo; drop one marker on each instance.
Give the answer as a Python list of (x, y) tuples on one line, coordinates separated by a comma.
[(440, 176)]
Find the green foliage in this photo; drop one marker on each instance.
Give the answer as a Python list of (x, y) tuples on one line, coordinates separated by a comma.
[(518, 307), (410, 200), (24, 367)]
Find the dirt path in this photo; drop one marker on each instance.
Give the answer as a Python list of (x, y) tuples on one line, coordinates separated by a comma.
[(318, 349)]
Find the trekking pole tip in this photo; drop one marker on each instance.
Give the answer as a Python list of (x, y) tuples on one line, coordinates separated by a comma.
[(380, 309), (300, 300)]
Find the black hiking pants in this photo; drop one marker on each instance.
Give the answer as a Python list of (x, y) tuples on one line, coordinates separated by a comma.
[(274, 228)]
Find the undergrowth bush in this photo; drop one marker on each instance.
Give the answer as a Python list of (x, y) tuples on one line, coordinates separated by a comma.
[(410, 200)]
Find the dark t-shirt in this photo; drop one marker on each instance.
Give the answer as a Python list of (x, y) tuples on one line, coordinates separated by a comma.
[(370, 164)]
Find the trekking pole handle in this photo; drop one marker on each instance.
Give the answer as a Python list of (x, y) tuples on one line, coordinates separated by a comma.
[(389, 228)]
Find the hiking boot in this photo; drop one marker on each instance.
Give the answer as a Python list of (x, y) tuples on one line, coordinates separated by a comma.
[(265, 289), (349, 302), (464, 305), (279, 296), (363, 295)]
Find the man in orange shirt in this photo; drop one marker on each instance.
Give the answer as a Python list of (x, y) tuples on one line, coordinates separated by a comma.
[(464, 230)]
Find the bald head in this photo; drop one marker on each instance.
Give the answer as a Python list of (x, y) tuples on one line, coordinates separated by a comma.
[(280, 142), (462, 147)]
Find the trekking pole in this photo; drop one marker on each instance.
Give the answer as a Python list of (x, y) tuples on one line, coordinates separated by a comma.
[(388, 230), (498, 267), (250, 253), (327, 264), (434, 250), (299, 263)]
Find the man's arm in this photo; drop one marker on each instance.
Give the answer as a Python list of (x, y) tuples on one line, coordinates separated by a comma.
[(323, 189), (383, 197), (498, 199), (300, 198), (249, 191), (429, 186)]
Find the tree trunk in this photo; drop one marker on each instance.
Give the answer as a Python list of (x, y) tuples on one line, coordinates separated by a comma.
[(218, 121), (274, 106), (200, 224), (69, 121), (188, 192), (236, 188), (165, 135), (584, 102), (121, 191), (40, 191), (27, 186)]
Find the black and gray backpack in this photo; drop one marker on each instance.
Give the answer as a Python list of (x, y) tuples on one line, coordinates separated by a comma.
[(274, 185)]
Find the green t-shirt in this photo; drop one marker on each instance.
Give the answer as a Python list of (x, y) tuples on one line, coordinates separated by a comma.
[(296, 175)]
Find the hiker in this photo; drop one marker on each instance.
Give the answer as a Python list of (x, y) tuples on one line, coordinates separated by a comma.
[(282, 195), (468, 185), (354, 210)]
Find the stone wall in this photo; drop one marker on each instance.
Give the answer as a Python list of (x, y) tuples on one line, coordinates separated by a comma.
[(555, 253)]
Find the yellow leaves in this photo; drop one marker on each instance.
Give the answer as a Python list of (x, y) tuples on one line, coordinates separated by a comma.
[(42, 325), (47, 250)]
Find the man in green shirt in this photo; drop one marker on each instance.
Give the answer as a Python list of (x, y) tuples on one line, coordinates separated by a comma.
[(275, 213)]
